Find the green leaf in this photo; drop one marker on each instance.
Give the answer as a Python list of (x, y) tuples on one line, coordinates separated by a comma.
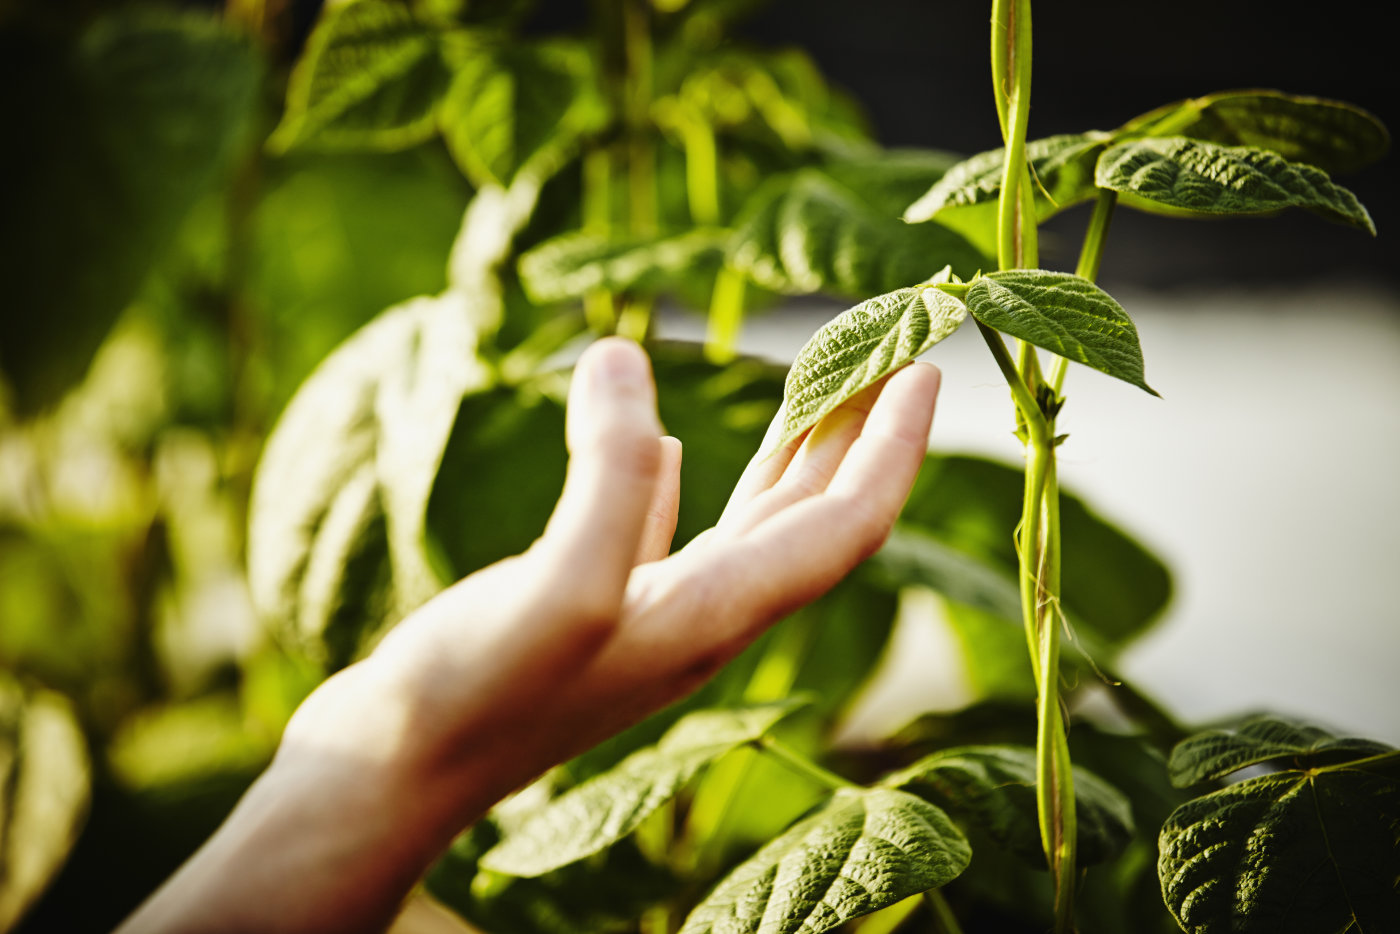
[(994, 787), (913, 555), (1183, 176), (113, 137), (888, 179), (602, 895), (1287, 853), (1064, 314), (861, 346), (1217, 753), (1062, 168), (44, 791), (572, 264), (1335, 136), (809, 233), (372, 76), (516, 105), (866, 850), (590, 817), (335, 538)]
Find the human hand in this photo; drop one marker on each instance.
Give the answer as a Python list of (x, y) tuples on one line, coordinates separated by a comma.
[(536, 658)]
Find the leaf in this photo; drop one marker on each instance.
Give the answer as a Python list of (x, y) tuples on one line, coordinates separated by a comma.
[(1112, 585), (861, 346), (808, 233), (866, 850), (1179, 175), (44, 792), (1217, 753), (113, 137), (589, 817), (372, 76), (1064, 314), (1335, 136), (334, 538), (516, 105), (572, 264), (596, 896), (994, 787), (1062, 170), (1287, 853), (912, 555), (337, 537)]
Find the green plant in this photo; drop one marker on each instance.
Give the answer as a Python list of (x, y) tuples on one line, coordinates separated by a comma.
[(665, 142), (654, 160)]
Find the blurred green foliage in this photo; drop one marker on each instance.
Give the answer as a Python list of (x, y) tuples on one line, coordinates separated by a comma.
[(187, 258)]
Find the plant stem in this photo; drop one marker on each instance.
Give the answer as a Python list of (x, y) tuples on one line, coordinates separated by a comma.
[(944, 921), (1038, 544), (1091, 253), (801, 764), (1054, 779), (1025, 402), (598, 304), (726, 315), (1011, 67)]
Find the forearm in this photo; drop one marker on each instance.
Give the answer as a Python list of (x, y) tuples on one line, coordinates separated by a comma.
[(332, 836)]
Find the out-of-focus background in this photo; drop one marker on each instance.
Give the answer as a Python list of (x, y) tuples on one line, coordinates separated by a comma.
[(168, 283)]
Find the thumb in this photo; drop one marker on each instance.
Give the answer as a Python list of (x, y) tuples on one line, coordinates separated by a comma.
[(614, 459)]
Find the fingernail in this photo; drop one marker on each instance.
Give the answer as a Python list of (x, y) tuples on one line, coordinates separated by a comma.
[(621, 363)]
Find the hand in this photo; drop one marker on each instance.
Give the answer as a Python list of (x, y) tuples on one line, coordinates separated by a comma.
[(534, 659)]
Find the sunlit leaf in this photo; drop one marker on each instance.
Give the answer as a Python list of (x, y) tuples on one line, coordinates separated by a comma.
[(1287, 853), (1335, 136), (520, 104), (591, 816), (1062, 313), (372, 76), (335, 536), (861, 346), (570, 265), (810, 233), (44, 790), (960, 516), (865, 850), (1217, 753), (111, 140), (1062, 171), (1185, 176), (994, 787), (594, 896)]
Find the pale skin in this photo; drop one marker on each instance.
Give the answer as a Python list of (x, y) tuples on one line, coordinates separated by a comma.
[(540, 656)]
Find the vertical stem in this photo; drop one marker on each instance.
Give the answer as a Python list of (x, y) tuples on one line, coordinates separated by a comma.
[(701, 170), (598, 304), (1090, 258), (641, 156), (726, 315), (944, 921), (1038, 543)]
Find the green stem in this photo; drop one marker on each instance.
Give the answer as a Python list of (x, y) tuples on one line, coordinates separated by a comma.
[(641, 156), (1091, 254), (1379, 759), (726, 315), (1039, 454), (701, 170), (1025, 402), (888, 920), (801, 764), (1011, 72), (944, 921), (1090, 258), (1054, 780), (599, 305)]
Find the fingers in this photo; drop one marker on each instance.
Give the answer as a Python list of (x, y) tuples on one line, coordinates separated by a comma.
[(612, 432), (812, 467), (660, 525), (796, 554), (764, 469)]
